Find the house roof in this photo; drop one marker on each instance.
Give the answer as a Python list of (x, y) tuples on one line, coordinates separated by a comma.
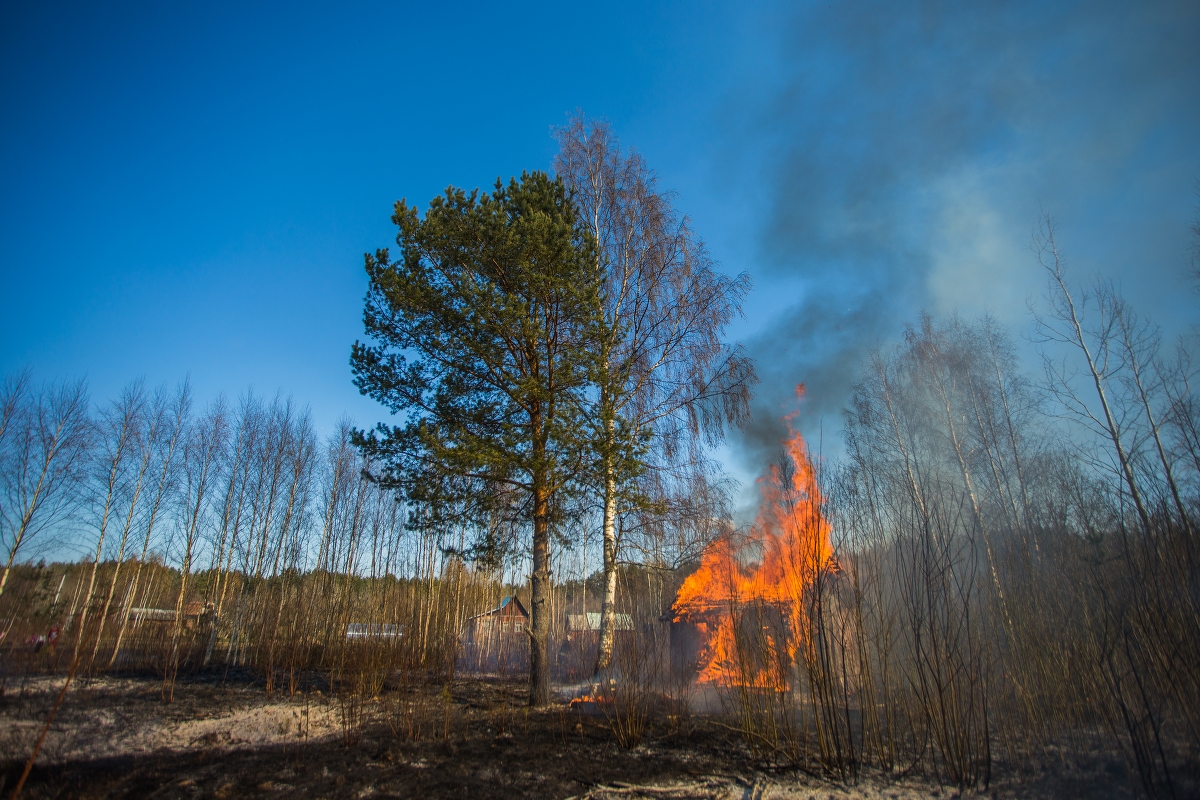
[(373, 630), (504, 608), (591, 622)]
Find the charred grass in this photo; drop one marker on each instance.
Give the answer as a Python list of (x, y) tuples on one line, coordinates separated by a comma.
[(478, 740), (475, 739)]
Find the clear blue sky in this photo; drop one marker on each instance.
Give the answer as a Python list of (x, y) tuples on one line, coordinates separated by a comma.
[(188, 189)]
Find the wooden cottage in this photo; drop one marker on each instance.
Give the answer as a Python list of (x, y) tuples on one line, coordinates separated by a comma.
[(587, 626), (507, 619), (496, 641)]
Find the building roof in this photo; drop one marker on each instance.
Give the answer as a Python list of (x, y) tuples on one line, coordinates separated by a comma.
[(152, 614), (591, 622), (373, 630), (508, 605), (192, 610)]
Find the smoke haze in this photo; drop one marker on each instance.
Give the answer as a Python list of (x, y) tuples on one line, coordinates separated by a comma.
[(903, 155)]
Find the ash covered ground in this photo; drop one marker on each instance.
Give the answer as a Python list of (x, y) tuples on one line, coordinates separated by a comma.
[(224, 738)]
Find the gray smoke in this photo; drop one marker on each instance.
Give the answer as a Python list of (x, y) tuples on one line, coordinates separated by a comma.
[(909, 149)]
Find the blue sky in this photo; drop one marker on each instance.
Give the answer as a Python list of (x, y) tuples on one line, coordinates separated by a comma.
[(188, 189)]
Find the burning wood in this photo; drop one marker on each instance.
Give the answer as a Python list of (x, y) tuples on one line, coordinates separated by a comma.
[(770, 573)]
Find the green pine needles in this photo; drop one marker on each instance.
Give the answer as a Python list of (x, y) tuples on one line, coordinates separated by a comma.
[(480, 336)]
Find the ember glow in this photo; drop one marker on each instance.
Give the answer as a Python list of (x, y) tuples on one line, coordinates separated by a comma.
[(791, 538)]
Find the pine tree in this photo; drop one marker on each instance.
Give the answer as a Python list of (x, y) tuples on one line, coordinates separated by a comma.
[(480, 336)]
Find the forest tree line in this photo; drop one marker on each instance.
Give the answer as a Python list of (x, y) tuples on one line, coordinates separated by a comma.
[(554, 353)]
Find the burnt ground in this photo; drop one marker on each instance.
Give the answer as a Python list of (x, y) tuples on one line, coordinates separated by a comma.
[(479, 742), (223, 738)]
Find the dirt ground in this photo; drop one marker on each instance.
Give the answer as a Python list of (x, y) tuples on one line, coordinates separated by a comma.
[(223, 738)]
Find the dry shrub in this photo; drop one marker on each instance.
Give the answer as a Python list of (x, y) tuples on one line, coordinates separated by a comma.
[(756, 694), (637, 687)]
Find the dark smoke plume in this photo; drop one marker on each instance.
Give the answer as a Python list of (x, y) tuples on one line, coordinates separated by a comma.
[(909, 149)]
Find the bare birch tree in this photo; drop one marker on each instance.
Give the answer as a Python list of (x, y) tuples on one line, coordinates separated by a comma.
[(43, 462), (666, 383), (171, 420), (203, 450), (1097, 344), (118, 432)]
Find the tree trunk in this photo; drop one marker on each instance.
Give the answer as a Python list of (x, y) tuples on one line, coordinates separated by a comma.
[(539, 625), (112, 584), (160, 494), (608, 607)]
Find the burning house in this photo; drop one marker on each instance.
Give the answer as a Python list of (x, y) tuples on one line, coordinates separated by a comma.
[(743, 616)]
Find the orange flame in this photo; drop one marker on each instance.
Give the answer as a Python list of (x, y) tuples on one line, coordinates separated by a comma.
[(792, 536)]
